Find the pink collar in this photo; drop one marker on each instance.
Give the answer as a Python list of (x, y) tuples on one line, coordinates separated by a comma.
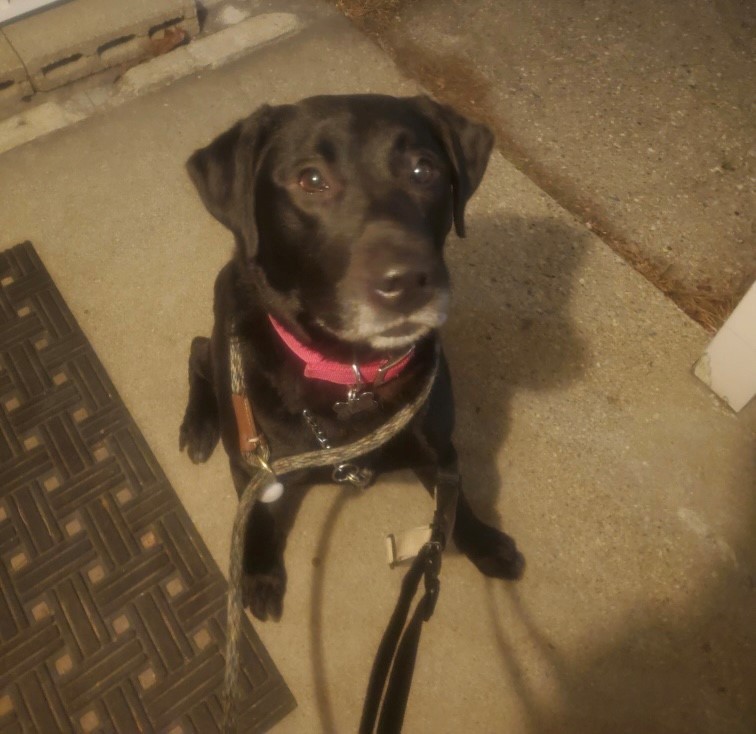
[(320, 367)]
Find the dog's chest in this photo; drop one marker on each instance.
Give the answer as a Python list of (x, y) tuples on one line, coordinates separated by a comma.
[(303, 415)]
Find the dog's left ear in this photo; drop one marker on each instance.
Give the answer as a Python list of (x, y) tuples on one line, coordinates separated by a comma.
[(468, 145), (224, 174)]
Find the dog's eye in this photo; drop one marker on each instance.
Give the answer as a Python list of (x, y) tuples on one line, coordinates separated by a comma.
[(423, 171), (312, 180)]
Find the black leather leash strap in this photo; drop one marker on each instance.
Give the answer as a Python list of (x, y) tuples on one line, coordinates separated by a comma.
[(397, 652)]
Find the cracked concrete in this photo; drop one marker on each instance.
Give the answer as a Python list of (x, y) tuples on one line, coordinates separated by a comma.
[(14, 83), (99, 95), (76, 39)]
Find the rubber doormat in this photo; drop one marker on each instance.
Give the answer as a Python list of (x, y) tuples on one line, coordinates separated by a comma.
[(112, 612)]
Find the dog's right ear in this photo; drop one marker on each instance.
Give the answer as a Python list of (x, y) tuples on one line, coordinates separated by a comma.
[(224, 173)]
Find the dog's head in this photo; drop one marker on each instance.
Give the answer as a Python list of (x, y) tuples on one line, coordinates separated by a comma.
[(340, 207)]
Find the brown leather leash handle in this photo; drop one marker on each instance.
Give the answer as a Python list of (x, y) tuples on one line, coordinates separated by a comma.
[(249, 437)]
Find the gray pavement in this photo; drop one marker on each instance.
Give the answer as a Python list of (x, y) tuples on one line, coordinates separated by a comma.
[(637, 115), (581, 430)]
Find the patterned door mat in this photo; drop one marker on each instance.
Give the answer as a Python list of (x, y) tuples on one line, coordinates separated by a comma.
[(112, 612)]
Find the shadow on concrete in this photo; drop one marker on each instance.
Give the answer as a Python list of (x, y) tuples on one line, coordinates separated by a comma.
[(510, 330), (511, 667), (655, 673), (693, 673), (317, 649)]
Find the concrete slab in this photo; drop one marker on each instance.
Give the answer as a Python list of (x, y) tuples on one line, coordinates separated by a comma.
[(244, 34), (14, 83), (214, 50), (79, 38), (85, 99), (635, 115), (37, 122), (628, 486)]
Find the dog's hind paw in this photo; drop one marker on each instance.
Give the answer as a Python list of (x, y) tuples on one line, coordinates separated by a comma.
[(263, 593), (199, 436)]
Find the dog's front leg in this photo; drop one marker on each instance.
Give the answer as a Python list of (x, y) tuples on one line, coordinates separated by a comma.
[(490, 549), (264, 580), (200, 428)]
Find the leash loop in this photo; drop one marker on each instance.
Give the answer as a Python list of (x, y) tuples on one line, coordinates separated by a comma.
[(264, 472), (390, 679)]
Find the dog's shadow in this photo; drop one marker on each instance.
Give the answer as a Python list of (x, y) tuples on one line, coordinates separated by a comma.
[(510, 331)]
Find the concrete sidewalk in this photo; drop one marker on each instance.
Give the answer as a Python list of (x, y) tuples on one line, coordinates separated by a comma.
[(635, 115), (72, 40), (581, 430)]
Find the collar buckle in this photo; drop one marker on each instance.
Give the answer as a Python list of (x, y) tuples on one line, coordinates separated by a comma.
[(359, 398)]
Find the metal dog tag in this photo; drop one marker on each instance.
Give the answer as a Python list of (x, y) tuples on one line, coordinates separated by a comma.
[(359, 400)]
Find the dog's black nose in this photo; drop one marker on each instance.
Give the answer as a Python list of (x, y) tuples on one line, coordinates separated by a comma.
[(404, 288), (401, 268)]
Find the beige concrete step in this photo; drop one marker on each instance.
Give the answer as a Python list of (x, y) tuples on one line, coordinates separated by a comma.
[(82, 37), (14, 82), (207, 52)]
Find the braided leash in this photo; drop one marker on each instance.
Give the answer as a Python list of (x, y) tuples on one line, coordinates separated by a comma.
[(264, 474)]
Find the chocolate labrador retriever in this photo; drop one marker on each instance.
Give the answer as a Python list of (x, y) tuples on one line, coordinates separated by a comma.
[(340, 206)]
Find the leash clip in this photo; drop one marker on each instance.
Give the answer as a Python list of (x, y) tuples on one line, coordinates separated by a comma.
[(260, 458), (260, 455), (360, 399), (359, 477)]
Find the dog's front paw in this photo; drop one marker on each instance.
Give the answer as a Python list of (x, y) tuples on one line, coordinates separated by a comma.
[(263, 593), (199, 435), (494, 553)]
